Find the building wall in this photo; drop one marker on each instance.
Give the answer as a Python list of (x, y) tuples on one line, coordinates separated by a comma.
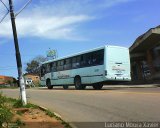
[(35, 78), (6, 79), (148, 67)]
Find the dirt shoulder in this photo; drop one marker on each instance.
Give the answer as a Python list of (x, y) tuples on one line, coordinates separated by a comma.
[(35, 118), (13, 114)]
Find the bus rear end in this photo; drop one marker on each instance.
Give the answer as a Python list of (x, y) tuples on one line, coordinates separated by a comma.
[(117, 64)]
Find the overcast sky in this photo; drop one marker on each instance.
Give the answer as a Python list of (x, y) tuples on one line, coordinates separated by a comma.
[(70, 26)]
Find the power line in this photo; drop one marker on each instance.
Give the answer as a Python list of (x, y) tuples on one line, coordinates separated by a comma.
[(9, 69), (8, 66), (4, 16), (23, 8), (5, 13), (4, 5), (12, 54)]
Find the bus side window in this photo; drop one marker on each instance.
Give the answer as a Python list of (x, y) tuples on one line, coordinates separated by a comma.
[(54, 66), (101, 57), (78, 61), (94, 58), (45, 69), (51, 67), (42, 71), (74, 62), (67, 64), (48, 69), (83, 60), (86, 60), (89, 59), (98, 57), (60, 65)]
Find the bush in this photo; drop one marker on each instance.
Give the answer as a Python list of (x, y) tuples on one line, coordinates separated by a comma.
[(3, 100), (18, 104), (5, 115)]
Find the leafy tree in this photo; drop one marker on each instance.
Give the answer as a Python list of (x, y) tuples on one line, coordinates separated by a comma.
[(34, 65)]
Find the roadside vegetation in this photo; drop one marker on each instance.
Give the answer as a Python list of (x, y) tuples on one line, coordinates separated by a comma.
[(14, 115), (4, 86)]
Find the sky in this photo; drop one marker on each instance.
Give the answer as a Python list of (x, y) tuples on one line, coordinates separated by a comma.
[(71, 26)]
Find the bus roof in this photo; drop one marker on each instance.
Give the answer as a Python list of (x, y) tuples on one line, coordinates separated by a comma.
[(83, 52)]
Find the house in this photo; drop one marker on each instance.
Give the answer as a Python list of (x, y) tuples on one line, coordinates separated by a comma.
[(31, 79), (145, 56), (7, 80)]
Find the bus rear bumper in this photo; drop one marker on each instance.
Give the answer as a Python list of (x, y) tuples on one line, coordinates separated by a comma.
[(115, 78)]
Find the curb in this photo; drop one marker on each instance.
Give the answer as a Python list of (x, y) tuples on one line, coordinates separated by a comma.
[(57, 115), (130, 86), (45, 109)]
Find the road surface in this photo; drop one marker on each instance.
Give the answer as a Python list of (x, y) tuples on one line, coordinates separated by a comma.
[(81, 107)]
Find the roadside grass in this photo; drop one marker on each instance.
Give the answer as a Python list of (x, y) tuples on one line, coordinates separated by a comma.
[(8, 106), (5, 87), (5, 110)]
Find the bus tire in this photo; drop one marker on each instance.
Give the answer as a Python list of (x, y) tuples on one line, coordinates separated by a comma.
[(97, 86), (77, 83), (48, 83), (65, 86), (83, 87)]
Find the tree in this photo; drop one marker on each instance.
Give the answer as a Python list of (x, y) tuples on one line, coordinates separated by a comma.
[(34, 65)]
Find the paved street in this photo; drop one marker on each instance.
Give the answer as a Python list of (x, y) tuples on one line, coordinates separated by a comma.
[(107, 105)]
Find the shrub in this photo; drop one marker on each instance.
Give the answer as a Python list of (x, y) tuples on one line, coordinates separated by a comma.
[(3, 100), (5, 115), (18, 104)]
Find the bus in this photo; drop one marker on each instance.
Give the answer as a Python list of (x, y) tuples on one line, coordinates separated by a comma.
[(95, 67)]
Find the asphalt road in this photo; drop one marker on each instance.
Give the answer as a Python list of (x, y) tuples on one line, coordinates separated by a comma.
[(107, 105)]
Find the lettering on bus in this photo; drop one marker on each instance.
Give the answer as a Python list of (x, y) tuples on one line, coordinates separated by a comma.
[(118, 68), (63, 76)]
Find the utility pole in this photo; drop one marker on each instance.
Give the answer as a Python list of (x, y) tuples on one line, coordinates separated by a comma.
[(18, 56)]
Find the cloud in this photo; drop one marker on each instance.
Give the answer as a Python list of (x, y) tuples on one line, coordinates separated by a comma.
[(44, 27), (55, 19)]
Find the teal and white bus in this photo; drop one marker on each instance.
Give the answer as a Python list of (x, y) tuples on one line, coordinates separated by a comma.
[(95, 67)]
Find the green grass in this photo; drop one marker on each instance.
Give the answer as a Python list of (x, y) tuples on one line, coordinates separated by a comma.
[(18, 104), (3, 86), (5, 115), (29, 105), (5, 111)]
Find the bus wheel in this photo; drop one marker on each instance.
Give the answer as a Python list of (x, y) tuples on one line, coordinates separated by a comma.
[(48, 82), (77, 83), (97, 86), (65, 86), (83, 86)]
